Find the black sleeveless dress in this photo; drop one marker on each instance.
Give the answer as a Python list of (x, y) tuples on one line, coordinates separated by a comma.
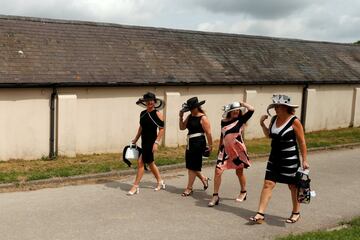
[(284, 158), (149, 122), (196, 145)]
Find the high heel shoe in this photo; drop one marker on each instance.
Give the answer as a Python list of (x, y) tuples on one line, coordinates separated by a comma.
[(161, 185), (187, 192), (214, 202), (206, 183), (136, 191), (291, 219), (258, 220), (241, 199)]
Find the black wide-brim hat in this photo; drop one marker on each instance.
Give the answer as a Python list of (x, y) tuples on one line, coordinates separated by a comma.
[(191, 103), (159, 104)]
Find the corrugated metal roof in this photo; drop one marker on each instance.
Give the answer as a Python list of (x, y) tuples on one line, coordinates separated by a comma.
[(37, 52)]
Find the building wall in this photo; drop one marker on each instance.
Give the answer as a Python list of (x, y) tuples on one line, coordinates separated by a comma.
[(329, 107), (101, 120), (24, 123)]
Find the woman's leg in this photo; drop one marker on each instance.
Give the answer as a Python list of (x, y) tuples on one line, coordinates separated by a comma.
[(242, 180), (217, 182), (191, 179), (217, 179), (155, 171), (160, 183), (265, 196), (295, 203), (139, 174), (202, 178)]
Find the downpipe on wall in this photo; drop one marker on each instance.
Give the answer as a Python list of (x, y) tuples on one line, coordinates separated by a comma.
[(304, 105), (53, 99)]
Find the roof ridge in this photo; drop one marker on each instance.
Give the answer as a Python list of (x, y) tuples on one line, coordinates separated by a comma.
[(105, 24)]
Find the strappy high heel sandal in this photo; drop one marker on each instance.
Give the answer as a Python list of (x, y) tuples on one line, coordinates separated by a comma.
[(161, 185), (258, 220), (206, 183), (214, 202), (187, 192), (135, 191), (291, 218), (241, 199)]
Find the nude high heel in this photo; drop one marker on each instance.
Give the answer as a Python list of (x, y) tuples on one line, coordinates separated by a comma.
[(214, 202), (161, 185), (239, 199), (136, 191)]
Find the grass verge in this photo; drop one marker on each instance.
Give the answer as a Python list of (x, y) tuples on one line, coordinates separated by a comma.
[(350, 231), (18, 171)]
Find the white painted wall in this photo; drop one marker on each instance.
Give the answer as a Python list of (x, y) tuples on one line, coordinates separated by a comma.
[(103, 120), (355, 120), (66, 127), (24, 123), (329, 107)]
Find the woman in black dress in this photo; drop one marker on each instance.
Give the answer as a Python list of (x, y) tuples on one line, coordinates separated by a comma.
[(287, 135), (198, 126), (150, 121)]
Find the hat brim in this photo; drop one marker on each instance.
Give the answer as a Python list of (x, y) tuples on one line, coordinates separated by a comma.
[(186, 109), (224, 115), (274, 104), (159, 104)]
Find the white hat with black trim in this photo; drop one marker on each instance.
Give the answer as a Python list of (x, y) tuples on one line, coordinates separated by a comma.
[(232, 107), (279, 99)]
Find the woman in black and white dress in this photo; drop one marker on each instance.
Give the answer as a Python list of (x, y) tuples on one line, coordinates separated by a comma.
[(287, 136)]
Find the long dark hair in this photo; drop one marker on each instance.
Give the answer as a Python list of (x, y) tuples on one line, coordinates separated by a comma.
[(201, 110), (229, 113), (290, 110)]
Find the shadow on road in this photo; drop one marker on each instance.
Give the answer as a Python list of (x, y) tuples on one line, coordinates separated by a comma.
[(202, 198)]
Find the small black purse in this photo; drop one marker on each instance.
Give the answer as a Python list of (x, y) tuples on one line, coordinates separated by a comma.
[(303, 186)]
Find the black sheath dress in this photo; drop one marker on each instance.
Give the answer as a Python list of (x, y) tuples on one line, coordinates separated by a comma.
[(196, 145), (149, 122)]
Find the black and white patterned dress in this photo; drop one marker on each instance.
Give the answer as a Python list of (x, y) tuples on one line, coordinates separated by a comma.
[(284, 158)]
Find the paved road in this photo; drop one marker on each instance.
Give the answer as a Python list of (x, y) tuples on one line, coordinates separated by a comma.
[(103, 211)]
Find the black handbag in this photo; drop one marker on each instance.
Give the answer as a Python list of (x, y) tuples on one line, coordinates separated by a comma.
[(303, 186)]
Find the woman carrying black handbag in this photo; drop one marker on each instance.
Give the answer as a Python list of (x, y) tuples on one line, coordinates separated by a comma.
[(287, 136)]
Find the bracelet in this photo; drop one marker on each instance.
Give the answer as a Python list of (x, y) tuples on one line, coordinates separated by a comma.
[(157, 142)]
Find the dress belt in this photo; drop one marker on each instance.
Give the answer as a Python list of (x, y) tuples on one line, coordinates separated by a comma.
[(192, 136), (195, 135)]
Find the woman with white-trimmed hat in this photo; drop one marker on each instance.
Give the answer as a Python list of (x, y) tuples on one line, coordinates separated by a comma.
[(151, 130), (232, 149), (287, 136), (199, 131)]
